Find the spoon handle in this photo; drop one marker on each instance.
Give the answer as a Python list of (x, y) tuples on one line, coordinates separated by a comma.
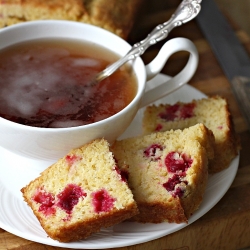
[(186, 11)]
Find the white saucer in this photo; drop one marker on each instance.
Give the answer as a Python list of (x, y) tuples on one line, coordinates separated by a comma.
[(17, 218)]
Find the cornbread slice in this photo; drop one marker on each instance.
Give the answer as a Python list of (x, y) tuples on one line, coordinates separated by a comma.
[(167, 172), (212, 111), (115, 16), (80, 194)]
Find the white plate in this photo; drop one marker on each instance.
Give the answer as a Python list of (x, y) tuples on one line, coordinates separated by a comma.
[(17, 218)]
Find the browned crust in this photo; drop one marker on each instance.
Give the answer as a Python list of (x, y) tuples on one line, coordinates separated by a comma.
[(208, 141), (157, 212), (116, 16), (227, 150), (193, 196), (83, 229)]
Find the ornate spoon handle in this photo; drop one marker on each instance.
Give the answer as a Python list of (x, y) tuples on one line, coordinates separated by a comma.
[(186, 11)]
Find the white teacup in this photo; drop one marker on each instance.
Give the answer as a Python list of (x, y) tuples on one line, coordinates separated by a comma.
[(53, 143)]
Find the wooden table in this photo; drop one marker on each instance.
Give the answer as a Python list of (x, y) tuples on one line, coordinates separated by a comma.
[(227, 225)]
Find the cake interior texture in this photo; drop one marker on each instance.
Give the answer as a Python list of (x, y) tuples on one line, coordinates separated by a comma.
[(167, 172), (80, 194), (115, 16), (213, 112)]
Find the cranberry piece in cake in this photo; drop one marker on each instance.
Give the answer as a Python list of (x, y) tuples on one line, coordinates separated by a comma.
[(178, 111), (170, 113), (171, 185), (176, 162), (71, 159), (158, 127), (153, 152), (69, 197), (46, 200), (172, 182), (187, 110), (122, 173), (102, 201)]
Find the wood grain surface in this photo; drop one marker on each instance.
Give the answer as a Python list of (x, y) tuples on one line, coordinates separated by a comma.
[(227, 225)]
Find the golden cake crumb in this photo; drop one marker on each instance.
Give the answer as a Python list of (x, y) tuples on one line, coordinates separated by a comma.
[(213, 112), (115, 16), (80, 194), (167, 172)]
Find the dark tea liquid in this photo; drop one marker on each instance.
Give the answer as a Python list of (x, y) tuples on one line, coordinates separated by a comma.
[(43, 84)]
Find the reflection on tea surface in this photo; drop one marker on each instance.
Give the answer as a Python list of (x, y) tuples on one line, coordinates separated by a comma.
[(43, 84)]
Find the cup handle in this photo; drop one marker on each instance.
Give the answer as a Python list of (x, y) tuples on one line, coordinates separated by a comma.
[(153, 68)]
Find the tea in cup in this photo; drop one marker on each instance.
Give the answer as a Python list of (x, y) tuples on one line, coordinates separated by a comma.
[(47, 105)]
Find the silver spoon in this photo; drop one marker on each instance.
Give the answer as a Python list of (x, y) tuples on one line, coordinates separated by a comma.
[(186, 11)]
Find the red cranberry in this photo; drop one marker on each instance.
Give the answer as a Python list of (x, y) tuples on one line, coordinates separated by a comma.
[(122, 173), (178, 192), (102, 201), (176, 162), (158, 127), (46, 200), (71, 159), (69, 197), (170, 113), (170, 185), (153, 151), (187, 110), (178, 111), (172, 182)]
